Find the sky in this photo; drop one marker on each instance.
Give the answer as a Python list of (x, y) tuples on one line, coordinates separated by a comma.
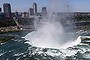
[(24, 5)]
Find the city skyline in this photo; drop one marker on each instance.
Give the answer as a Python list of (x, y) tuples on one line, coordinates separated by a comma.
[(18, 5)]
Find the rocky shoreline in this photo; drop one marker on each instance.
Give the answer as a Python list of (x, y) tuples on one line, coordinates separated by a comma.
[(9, 29)]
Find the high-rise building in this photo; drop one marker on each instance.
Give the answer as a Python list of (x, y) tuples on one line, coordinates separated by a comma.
[(16, 14), (31, 12), (0, 10), (25, 15), (7, 10), (1, 14), (35, 8), (44, 11)]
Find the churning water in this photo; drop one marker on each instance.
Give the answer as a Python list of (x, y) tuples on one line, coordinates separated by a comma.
[(50, 33)]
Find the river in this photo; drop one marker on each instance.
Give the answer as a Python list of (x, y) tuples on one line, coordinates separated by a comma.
[(18, 49)]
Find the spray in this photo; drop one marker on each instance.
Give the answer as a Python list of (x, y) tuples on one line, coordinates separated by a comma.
[(50, 32)]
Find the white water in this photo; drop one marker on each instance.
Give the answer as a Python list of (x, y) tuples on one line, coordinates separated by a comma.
[(49, 32), (52, 35), (47, 41), (73, 43)]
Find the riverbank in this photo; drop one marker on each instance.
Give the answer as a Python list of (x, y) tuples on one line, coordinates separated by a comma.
[(5, 38), (9, 29), (8, 33)]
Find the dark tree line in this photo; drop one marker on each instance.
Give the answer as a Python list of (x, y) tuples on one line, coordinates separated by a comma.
[(82, 18), (7, 22), (11, 22)]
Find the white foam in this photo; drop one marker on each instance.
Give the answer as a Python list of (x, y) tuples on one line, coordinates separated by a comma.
[(49, 31), (73, 43)]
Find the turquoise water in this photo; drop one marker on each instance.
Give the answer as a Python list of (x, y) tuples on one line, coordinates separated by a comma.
[(17, 49)]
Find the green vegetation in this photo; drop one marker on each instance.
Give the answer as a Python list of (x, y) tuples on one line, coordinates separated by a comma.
[(9, 31), (82, 18), (26, 21), (7, 22)]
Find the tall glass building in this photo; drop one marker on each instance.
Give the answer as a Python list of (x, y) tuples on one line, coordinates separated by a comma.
[(35, 8), (0, 9), (7, 10)]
